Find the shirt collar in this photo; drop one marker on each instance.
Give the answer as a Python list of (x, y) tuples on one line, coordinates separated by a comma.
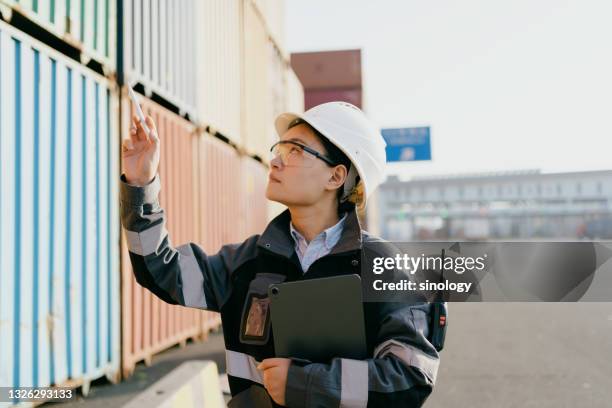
[(328, 234), (277, 236)]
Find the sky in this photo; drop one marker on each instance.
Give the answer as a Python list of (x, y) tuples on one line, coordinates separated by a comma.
[(504, 85)]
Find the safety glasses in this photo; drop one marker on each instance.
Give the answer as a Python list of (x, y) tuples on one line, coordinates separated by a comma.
[(296, 154)]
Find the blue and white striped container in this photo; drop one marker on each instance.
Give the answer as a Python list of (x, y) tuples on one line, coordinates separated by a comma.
[(89, 25), (59, 230)]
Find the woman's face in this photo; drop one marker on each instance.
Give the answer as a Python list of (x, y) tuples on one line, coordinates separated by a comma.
[(306, 182)]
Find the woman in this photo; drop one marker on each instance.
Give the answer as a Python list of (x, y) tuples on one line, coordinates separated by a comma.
[(327, 161)]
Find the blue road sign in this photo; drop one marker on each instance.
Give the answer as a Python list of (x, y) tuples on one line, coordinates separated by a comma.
[(407, 144)]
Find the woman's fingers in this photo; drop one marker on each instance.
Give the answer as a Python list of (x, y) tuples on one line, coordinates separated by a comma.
[(134, 132), (129, 148), (141, 135), (152, 128), (127, 144)]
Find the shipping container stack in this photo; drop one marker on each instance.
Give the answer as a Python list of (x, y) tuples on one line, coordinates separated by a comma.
[(212, 74)]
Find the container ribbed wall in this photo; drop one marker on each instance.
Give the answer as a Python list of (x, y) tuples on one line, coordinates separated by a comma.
[(257, 93), (59, 259), (219, 34), (160, 46), (273, 14), (277, 84), (220, 194)]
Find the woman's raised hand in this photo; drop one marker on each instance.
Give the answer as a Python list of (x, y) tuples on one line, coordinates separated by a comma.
[(140, 153)]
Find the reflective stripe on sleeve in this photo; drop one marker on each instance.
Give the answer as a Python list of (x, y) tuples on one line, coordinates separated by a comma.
[(243, 366), (354, 391), (146, 242), (411, 356), (192, 277)]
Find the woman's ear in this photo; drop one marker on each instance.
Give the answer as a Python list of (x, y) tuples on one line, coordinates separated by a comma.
[(338, 176)]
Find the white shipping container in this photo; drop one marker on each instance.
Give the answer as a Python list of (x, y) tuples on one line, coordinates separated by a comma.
[(219, 75), (89, 25), (59, 258), (160, 45)]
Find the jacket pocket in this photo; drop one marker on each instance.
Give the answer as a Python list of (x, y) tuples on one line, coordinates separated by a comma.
[(255, 321)]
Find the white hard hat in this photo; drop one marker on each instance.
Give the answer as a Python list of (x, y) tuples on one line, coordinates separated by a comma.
[(347, 127)]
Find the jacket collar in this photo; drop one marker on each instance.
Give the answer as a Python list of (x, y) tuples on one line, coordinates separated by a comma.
[(277, 237)]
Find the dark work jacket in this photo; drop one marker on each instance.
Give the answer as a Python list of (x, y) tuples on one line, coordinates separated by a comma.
[(402, 364)]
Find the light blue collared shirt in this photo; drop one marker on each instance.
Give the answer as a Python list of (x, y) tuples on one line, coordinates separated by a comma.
[(321, 245)]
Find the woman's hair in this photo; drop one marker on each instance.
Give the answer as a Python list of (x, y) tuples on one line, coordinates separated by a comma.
[(338, 157)]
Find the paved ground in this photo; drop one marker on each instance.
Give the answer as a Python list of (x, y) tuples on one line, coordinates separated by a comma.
[(526, 355), (497, 355), (105, 395)]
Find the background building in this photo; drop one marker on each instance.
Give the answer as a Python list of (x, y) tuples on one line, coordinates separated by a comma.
[(505, 205)]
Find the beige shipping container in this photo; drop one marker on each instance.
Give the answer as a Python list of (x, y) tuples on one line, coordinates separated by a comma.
[(277, 80), (268, 83), (273, 15), (219, 59), (294, 102), (295, 93), (255, 181), (149, 324), (257, 96)]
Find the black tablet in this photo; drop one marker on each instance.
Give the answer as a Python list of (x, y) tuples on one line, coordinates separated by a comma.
[(318, 319)]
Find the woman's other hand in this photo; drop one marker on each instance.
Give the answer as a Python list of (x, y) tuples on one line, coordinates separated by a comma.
[(275, 377)]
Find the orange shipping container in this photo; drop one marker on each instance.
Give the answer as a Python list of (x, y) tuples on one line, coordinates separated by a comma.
[(231, 195), (149, 324), (219, 194)]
